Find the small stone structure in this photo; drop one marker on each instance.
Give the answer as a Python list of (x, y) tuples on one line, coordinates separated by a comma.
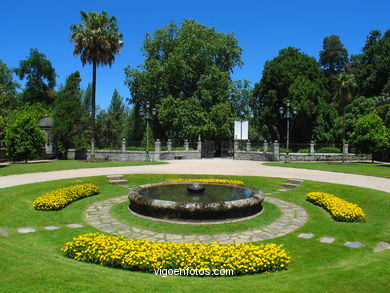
[(46, 124)]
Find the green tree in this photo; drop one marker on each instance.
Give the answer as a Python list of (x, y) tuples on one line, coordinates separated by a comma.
[(334, 56), (187, 62), (372, 67), (7, 96), (370, 135), (103, 129), (68, 113), (345, 90), (24, 140), (357, 108), (290, 75), (40, 76), (241, 98), (96, 40), (117, 120)]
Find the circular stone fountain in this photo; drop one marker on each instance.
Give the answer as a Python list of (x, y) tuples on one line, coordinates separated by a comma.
[(194, 201)]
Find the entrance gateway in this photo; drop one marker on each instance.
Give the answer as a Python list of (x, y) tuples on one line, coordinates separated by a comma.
[(215, 149)]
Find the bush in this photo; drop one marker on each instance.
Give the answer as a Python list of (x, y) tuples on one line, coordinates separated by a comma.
[(329, 150), (341, 210), (305, 151), (150, 256), (60, 198), (285, 150)]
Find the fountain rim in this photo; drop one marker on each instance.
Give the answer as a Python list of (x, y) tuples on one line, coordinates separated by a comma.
[(257, 196)]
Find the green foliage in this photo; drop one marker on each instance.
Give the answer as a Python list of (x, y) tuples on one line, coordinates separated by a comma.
[(190, 66), (241, 99), (334, 56), (357, 108), (328, 150), (117, 115), (345, 90), (148, 137), (24, 140), (40, 76), (372, 67), (305, 151), (96, 40), (69, 130), (370, 134), (296, 76)]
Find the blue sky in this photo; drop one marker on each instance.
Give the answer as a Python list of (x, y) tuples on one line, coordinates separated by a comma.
[(261, 27)]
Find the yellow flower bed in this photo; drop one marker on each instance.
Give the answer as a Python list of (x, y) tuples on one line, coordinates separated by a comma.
[(208, 180), (60, 198), (148, 256), (340, 209)]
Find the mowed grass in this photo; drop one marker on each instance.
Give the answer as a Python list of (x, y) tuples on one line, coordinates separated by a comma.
[(34, 263), (56, 165), (372, 169)]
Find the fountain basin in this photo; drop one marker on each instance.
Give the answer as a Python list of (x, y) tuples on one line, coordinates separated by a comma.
[(219, 201)]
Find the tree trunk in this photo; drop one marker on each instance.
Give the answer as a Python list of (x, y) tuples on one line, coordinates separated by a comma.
[(93, 110)]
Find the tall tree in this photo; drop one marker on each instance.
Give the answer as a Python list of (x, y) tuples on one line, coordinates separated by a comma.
[(182, 63), (41, 78), (372, 67), (7, 96), (96, 40), (345, 90), (290, 75), (241, 99), (68, 113), (334, 56), (117, 119)]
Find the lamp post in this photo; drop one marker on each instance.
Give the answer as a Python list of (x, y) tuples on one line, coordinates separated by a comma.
[(147, 114), (288, 114)]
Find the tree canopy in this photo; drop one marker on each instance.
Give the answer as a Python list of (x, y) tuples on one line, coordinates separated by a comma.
[(187, 63), (40, 76), (334, 56)]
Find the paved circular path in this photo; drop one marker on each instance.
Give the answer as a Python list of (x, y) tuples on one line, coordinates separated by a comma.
[(293, 217), (212, 167)]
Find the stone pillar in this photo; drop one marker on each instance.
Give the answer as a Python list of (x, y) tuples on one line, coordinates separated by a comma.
[(265, 146), (123, 145), (199, 147), (311, 147), (157, 149), (169, 145), (186, 145), (235, 146), (276, 148), (248, 146), (92, 149), (345, 148)]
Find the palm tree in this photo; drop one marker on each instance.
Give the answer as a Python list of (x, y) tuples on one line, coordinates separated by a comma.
[(96, 40), (345, 88)]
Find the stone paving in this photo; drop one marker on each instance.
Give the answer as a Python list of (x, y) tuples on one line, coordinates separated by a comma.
[(293, 217)]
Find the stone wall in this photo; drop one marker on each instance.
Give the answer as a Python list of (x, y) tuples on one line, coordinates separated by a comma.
[(110, 155), (180, 155), (302, 157)]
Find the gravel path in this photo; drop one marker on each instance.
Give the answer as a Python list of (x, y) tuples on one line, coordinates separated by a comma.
[(206, 166)]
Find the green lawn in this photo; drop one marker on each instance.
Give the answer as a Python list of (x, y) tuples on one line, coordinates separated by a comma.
[(372, 169), (56, 165), (33, 262)]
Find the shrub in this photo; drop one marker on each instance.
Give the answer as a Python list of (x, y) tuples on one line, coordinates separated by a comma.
[(285, 150), (341, 210), (148, 256), (208, 180), (306, 151), (60, 198), (329, 150)]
